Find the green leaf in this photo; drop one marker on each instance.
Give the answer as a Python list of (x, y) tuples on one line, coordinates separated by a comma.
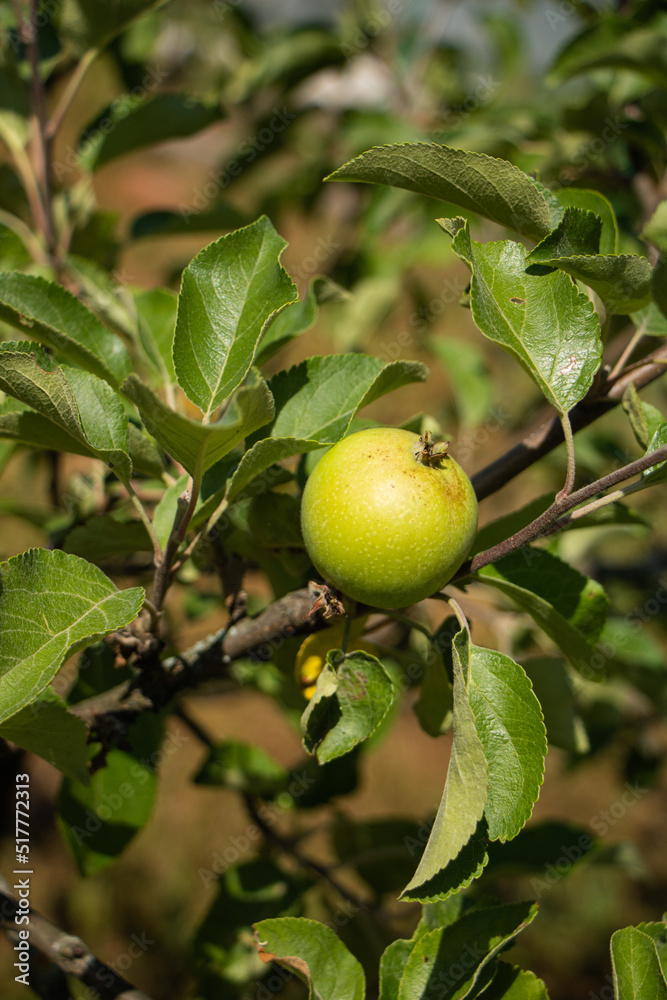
[(315, 953), (46, 728), (51, 605), (553, 689), (650, 321), (57, 319), (195, 445), (623, 281), (381, 851), (36, 431), (298, 317), (544, 322), (577, 234), (637, 971), (493, 188), (134, 123), (156, 314), (659, 283), (454, 962), (655, 230), (644, 418), (348, 705), (220, 217), (89, 25), (615, 42), (570, 608), (228, 293), (593, 201), (103, 538), (658, 931), (316, 402), (243, 767), (318, 398), (103, 420), (434, 708), (392, 965), (263, 454), (144, 453), (457, 874), (253, 890), (511, 730), (464, 796), (512, 983), (549, 849), (99, 821), (48, 392), (84, 406)]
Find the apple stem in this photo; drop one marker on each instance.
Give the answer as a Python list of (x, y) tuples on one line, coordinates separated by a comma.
[(351, 611), (460, 616)]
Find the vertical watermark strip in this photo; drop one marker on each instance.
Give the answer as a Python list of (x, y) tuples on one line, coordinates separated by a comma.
[(22, 884)]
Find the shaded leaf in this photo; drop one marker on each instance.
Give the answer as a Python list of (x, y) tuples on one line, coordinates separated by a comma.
[(51, 605), (131, 124), (655, 230), (102, 538), (99, 821), (464, 796), (553, 689), (156, 314), (512, 983), (623, 281), (493, 188), (242, 766), (290, 323), (650, 321), (46, 728), (593, 201), (195, 445), (348, 705), (570, 608), (90, 25)]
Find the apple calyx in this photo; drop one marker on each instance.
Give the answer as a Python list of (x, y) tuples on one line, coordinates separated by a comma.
[(430, 452)]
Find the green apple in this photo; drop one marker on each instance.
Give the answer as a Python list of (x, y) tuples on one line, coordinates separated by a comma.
[(387, 517)]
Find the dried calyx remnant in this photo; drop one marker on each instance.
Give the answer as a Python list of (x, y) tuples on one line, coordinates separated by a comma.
[(430, 452)]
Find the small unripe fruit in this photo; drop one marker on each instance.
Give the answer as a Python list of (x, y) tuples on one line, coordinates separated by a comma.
[(387, 518)]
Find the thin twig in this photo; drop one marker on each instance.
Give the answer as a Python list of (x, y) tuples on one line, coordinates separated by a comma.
[(148, 524), (550, 434), (285, 845), (68, 94), (627, 351), (65, 951), (542, 524)]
